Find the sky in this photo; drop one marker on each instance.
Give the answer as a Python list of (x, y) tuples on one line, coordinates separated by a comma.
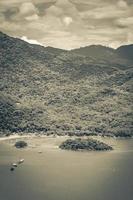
[(69, 24)]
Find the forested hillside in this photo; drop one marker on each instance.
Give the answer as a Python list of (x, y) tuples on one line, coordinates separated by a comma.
[(84, 91)]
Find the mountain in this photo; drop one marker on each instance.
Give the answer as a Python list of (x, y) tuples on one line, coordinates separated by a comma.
[(126, 52), (44, 89), (94, 51), (55, 51), (123, 56)]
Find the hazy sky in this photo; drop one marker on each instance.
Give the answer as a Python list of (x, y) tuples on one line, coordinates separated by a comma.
[(69, 23)]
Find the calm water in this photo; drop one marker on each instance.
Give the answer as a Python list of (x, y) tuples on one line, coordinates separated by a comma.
[(65, 175)]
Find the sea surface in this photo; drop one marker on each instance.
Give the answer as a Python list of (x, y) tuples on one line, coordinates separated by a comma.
[(57, 174)]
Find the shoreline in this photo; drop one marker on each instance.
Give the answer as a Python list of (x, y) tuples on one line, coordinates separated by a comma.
[(33, 136), (4, 138), (18, 136), (50, 142)]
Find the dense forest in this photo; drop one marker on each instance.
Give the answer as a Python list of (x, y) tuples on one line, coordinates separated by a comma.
[(48, 90)]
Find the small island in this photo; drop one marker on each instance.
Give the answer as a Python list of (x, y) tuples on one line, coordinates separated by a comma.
[(21, 144), (85, 144)]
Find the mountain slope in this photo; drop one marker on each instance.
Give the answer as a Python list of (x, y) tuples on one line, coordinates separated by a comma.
[(94, 51), (44, 89), (121, 57), (126, 52)]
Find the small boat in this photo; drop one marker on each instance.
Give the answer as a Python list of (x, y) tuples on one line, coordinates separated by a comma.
[(14, 165), (39, 151), (12, 169), (20, 161)]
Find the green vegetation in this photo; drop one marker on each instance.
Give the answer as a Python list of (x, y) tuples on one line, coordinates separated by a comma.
[(21, 144), (85, 144), (48, 91)]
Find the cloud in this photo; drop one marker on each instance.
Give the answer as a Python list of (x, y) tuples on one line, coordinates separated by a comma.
[(125, 22), (27, 11), (30, 40), (69, 23), (32, 17), (27, 8), (67, 20), (122, 4), (108, 11)]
